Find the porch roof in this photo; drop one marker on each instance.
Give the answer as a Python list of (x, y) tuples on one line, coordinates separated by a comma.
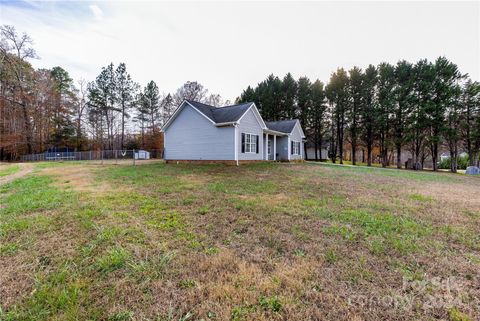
[(274, 132)]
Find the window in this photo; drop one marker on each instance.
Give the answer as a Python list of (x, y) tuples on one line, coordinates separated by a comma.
[(249, 143), (295, 148), (269, 148)]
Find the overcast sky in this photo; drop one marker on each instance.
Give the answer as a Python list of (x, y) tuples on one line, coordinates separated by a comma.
[(230, 45)]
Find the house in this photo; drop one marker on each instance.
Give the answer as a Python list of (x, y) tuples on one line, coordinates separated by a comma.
[(232, 134)]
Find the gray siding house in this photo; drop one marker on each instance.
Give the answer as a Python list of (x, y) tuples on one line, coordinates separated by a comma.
[(231, 134)]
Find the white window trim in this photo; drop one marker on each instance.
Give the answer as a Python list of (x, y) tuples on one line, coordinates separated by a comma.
[(250, 144), (296, 148)]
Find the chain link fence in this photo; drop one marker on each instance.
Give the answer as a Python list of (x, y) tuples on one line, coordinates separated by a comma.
[(98, 156)]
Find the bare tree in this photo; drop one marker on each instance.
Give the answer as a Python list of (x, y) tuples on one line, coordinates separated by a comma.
[(80, 109), (15, 49)]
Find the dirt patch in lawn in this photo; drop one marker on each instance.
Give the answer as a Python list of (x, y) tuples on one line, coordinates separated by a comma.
[(78, 178), (25, 168)]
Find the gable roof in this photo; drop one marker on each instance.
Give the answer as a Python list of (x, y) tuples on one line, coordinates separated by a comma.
[(228, 115), (221, 114), (283, 126)]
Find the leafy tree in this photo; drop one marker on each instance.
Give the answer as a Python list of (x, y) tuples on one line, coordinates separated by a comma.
[(15, 49)]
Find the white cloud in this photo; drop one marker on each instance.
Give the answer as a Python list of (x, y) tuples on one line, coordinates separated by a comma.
[(228, 46), (97, 12)]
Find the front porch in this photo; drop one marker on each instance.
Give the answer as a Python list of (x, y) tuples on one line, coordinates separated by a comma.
[(275, 146)]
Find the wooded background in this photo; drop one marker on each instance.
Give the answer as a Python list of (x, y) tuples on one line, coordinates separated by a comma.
[(423, 107)]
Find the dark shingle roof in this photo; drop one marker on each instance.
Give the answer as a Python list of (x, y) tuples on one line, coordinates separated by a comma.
[(221, 114), (283, 126)]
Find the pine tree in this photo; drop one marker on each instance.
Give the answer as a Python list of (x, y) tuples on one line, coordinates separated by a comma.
[(338, 96), (471, 120), (384, 110), (368, 110), (150, 104), (401, 110), (125, 91), (421, 104), (318, 115), (304, 105), (102, 95), (289, 89), (444, 93), (64, 98), (248, 95), (353, 114)]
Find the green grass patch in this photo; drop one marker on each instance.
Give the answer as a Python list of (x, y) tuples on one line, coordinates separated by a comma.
[(420, 198), (31, 194), (9, 170), (115, 258)]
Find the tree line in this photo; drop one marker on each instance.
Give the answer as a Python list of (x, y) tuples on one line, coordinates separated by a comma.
[(421, 107), (46, 108)]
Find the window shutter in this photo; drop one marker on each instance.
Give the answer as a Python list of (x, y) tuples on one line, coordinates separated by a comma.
[(291, 148), (243, 142), (257, 144)]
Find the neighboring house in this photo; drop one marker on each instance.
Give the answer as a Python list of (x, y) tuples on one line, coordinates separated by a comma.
[(232, 134), (322, 151)]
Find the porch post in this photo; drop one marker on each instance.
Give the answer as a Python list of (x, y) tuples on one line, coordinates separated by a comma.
[(266, 148), (274, 147), (288, 147)]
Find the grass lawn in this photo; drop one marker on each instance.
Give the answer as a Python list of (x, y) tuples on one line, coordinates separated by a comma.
[(8, 170), (256, 242)]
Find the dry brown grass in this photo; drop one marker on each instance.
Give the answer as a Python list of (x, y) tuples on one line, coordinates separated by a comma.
[(258, 242)]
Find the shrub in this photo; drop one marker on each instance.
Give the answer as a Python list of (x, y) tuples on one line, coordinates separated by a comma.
[(462, 162)]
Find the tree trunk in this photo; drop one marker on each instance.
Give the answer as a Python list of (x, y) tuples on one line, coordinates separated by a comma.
[(435, 156), (369, 154), (399, 156), (28, 129), (354, 153), (123, 126)]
